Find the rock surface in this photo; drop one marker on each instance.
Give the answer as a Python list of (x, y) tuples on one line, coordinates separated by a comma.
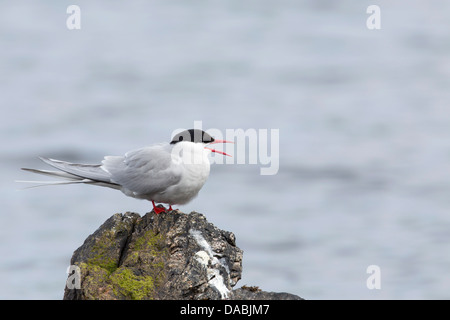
[(165, 256)]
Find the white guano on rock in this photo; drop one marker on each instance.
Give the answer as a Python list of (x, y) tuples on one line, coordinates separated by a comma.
[(207, 258)]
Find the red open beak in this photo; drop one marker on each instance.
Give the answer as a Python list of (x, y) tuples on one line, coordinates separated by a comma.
[(217, 151)]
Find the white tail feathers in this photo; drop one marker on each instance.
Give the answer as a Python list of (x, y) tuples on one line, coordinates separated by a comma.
[(51, 183), (64, 175), (72, 174)]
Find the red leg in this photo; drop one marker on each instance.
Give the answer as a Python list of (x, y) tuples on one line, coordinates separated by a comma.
[(156, 209)]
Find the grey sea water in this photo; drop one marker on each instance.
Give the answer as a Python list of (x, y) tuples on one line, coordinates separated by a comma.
[(363, 117)]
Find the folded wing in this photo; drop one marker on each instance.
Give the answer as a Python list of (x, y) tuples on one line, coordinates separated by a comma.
[(145, 171)]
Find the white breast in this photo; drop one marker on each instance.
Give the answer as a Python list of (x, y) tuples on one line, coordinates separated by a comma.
[(194, 162)]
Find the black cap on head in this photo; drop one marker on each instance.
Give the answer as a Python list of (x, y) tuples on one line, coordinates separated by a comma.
[(192, 135)]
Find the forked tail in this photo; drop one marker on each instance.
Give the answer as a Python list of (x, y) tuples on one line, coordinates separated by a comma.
[(73, 173)]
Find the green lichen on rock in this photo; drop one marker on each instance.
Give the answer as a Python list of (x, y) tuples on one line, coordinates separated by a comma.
[(124, 282), (146, 255), (148, 240), (107, 246), (148, 246), (101, 252), (124, 261), (95, 282)]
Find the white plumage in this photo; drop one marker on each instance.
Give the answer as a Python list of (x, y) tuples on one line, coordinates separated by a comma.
[(167, 173)]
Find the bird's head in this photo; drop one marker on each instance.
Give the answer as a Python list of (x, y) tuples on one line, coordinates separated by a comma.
[(200, 137)]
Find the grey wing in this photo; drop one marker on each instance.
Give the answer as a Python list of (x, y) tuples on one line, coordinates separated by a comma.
[(144, 171)]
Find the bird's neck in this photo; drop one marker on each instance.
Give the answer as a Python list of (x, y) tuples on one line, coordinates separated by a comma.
[(191, 153)]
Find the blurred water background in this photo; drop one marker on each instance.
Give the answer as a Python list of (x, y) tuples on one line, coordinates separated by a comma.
[(363, 117)]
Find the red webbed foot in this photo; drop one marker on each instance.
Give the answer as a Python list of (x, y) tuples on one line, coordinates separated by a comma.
[(159, 210)]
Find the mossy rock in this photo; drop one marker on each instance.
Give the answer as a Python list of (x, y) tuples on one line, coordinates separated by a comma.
[(120, 262), (174, 256)]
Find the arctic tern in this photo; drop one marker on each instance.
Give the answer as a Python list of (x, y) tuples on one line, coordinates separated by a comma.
[(170, 173)]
